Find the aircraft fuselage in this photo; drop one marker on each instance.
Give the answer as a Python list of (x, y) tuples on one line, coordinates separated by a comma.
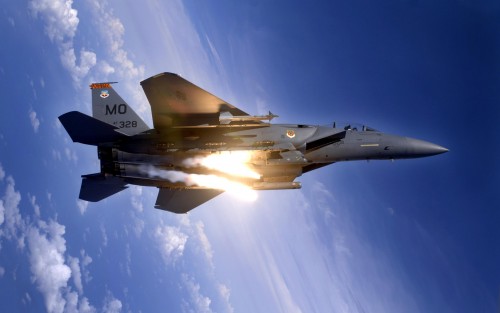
[(280, 152)]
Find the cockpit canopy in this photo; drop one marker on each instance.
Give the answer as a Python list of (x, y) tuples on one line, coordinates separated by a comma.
[(353, 126)]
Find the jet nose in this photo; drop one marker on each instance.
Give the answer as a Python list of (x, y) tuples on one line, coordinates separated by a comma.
[(424, 148)]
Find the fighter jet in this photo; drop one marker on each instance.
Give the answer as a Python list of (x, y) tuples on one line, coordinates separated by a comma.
[(192, 126)]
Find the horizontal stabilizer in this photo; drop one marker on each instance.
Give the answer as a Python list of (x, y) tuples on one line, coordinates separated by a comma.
[(88, 130), (184, 200), (96, 187)]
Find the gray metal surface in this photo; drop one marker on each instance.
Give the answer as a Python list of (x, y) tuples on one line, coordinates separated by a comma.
[(190, 122)]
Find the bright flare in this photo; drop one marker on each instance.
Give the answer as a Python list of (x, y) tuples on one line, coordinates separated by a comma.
[(241, 191), (234, 163)]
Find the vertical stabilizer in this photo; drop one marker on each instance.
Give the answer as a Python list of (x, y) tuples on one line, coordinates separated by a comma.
[(109, 107)]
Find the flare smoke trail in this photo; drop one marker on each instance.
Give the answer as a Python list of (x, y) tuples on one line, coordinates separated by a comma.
[(208, 181)]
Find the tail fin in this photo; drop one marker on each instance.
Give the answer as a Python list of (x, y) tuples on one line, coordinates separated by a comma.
[(96, 187), (109, 107), (88, 130)]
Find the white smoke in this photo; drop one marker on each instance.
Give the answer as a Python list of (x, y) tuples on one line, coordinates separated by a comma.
[(206, 181), (171, 176)]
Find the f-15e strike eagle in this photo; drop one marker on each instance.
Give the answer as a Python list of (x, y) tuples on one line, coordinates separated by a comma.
[(201, 145)]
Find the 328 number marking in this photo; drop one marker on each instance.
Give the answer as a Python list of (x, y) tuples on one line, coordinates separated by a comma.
[(125, 124)]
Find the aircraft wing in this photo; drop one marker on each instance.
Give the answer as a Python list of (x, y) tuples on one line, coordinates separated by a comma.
[(184, 200), (177, 102)]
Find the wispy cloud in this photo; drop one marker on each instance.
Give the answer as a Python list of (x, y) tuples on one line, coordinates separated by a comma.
[(204, 243), (51, 267), (104, 235), (171, 242), (198, 302), (118, 60), (82, 206), (35, 122), (10, 214), (51, 274), (85, 261), (61, 23), (70, 155), (135, 198), (76, 273), (225, 293), (35, 206), (76, 305), (111, 305), (112, 31)]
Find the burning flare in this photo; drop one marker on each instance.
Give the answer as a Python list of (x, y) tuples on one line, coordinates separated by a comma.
[(234, 163), (242, 191)]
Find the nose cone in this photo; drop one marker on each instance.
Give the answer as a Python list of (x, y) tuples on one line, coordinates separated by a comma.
[(420, 148)]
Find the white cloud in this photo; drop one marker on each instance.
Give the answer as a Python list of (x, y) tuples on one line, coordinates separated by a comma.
[(112, 30), (323, 199), (82, 206), (135, 199), (85, 306), (61, 19), (279, 286), (128, 259), (35, 96), (74, 264), (47, 246), (205, 245), (56, 154), (72, 305), (105, 68), (2, 173), (136, 202), (138, 224), (61, 22), (86, 260), (198, 302), (225, 293), (2, 271), (26, 299), (46, 254), (104, 235), (112, 305), (87, 60), (35, 206), (70, 155), (9, 212), (215, 56), (2, 213), (35, 122), (171, 242)]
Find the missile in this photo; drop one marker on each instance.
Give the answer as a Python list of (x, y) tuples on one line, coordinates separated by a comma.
[(276, 185), (227, 117)]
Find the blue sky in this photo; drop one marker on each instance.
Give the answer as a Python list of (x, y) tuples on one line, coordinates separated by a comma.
[(406, 236)]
